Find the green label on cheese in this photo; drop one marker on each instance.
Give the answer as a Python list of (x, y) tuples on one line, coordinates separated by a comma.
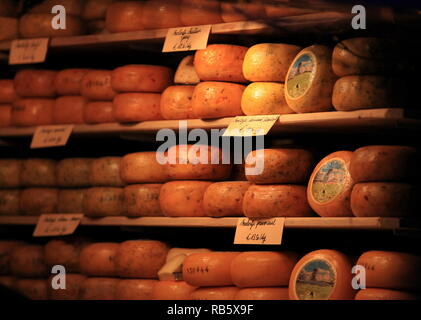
[(301, 75)]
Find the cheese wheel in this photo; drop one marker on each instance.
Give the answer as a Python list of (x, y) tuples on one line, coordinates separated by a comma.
[(99, 112), (65, 252), (384, 294), (223, 199), (158, 14), (217, 293), (38, 25), (209, 269), (135, 289), (265, 201), (279, 11), (220, 62), (269, 61), (96, 85), (172, 290), (73, 7), (32, 112), (176, 103), (141, 78), (279, 166), (70, 200), (37, 201), (105, 172), (124, 16), (8, 28), (73, 172), (262, 294), (7, 91), (104, 201), (35, 83), (262, 269), (98, 259), (99, 289), (264, 98), (183, 198), (10, 171), (69, 110), (186, 73), (5, 115), (142, 167), (233, 12), (143, 200), (310, 80), (73, 291), (95, 9), (330, 186), (199, 12), (322, 275), (28, 261), (197, 162), (133, 107), (9, 202), (6, 248), (33, 289), (140, 259), (174, 252), (384, 163), (8, 282), (38, 173), (383, 199), (68, 81)]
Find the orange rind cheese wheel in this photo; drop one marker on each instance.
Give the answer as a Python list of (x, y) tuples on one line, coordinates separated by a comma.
[(97, 259)]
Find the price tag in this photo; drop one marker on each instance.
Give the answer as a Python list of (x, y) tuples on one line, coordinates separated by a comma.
[(259, 231), (57, 224), (51, 136), (28, 51), (187, 38), (250, 126)]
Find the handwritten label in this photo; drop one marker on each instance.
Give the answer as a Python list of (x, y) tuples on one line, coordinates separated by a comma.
[(51, 136), (250, 126), (57, 224), (28, 51), (261, 231), (187, 38)]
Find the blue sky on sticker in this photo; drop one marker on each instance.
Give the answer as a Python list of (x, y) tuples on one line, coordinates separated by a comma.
[(316, 264)]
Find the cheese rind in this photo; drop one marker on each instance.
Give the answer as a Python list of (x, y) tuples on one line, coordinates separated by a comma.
[(10, 171), (9, 202), (28, 261), (200, 12), (105, 172), (37, 201), (35, 83), (124, 16), (73, 289), (6, 248), (5, 115), (215, 293), (64, 252), (99, 112), (69, 110), (97, 259), (176, 103), (73, 7), (384, 294), (159, 14), (70, 200), (134, 107), (262, 294), (8, 28), (38, 25), (95, 9), (38, 173), (135, 289), (104, 201), (68, 81), (7, 91), (143, 200), (99, 289), (33, 289), (142, 167), (74, 172), (172, 290), (96, 85), (32, 112)]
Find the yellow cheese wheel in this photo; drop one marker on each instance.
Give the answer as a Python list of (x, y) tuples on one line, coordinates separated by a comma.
[(384, 294), (73, 291), (105, 172), (172, 290), (269, 61), (98, 259), (330, 186), (6, 248), (142, 167), (7, 91), (95, 9), (73, 172), (68, 81), (183, 198), (73, 7), (28, 261), (199, 12), (220, 62), (283, 10), (140, 259), (265, 201), (35, 83), (186, 73), (99, 112), (322, 275), (310, 80), (124, 16), (223, 199), (38, 25), (216, 293), (262, 269), (8, 282), (99, 289), (233, 12), (96, 85), (38, 173), (8, 28), (143, 200), (10, 170), (32, 112), (69, 110), (37, 201), (262, 294), (135, 289), (264, 98), (70, 200), (5, 115), (133, 107), (33, 289), (176, 103), (9, 202), (158, 14), (209, 269), (104, 201)]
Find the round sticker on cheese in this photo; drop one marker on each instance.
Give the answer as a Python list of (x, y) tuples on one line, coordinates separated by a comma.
[(301, 75)]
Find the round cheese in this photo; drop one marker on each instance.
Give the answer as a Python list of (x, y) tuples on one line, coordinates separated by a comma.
[(142, 167), (7, 91), (65, 252), (384, 294), (96, 85), (32, 112), (262, 294), (99, 112), (330, 186), (9, 202), (99, 289), (158, 14), (37, 201), (5, 115), (73, 7), (233, 12), (95, 9), (279, 166), (140, 259), (200, 12), (264, 98), (322, 275), (217, 100), (38, 173), (269, 61), (73, 291), (104, 201), (183, 198), (28, 261), (220, 62), (174, 252), (262, 268), (73, 172), (133, 107), (124, 16), (98, 259), (68, 81), (8, 28), (6, 248), (38, 25), (217, 293), (35, 83), (209, 269), (135, 289), (69, 110), (70, 200), (10, 171), (33, 289), (310, 80), (224, 199), (143, 200), (265, 201), (8, 282), (186, 73), (172, 290), (105, 172), (176, 103)]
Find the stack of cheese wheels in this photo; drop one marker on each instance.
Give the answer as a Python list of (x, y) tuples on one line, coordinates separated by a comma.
[(94, 13), (10, 170), (365, 65), (278, 177), (139, 88), (7, 97), (389, 275), (385, 181), (266, 65)]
